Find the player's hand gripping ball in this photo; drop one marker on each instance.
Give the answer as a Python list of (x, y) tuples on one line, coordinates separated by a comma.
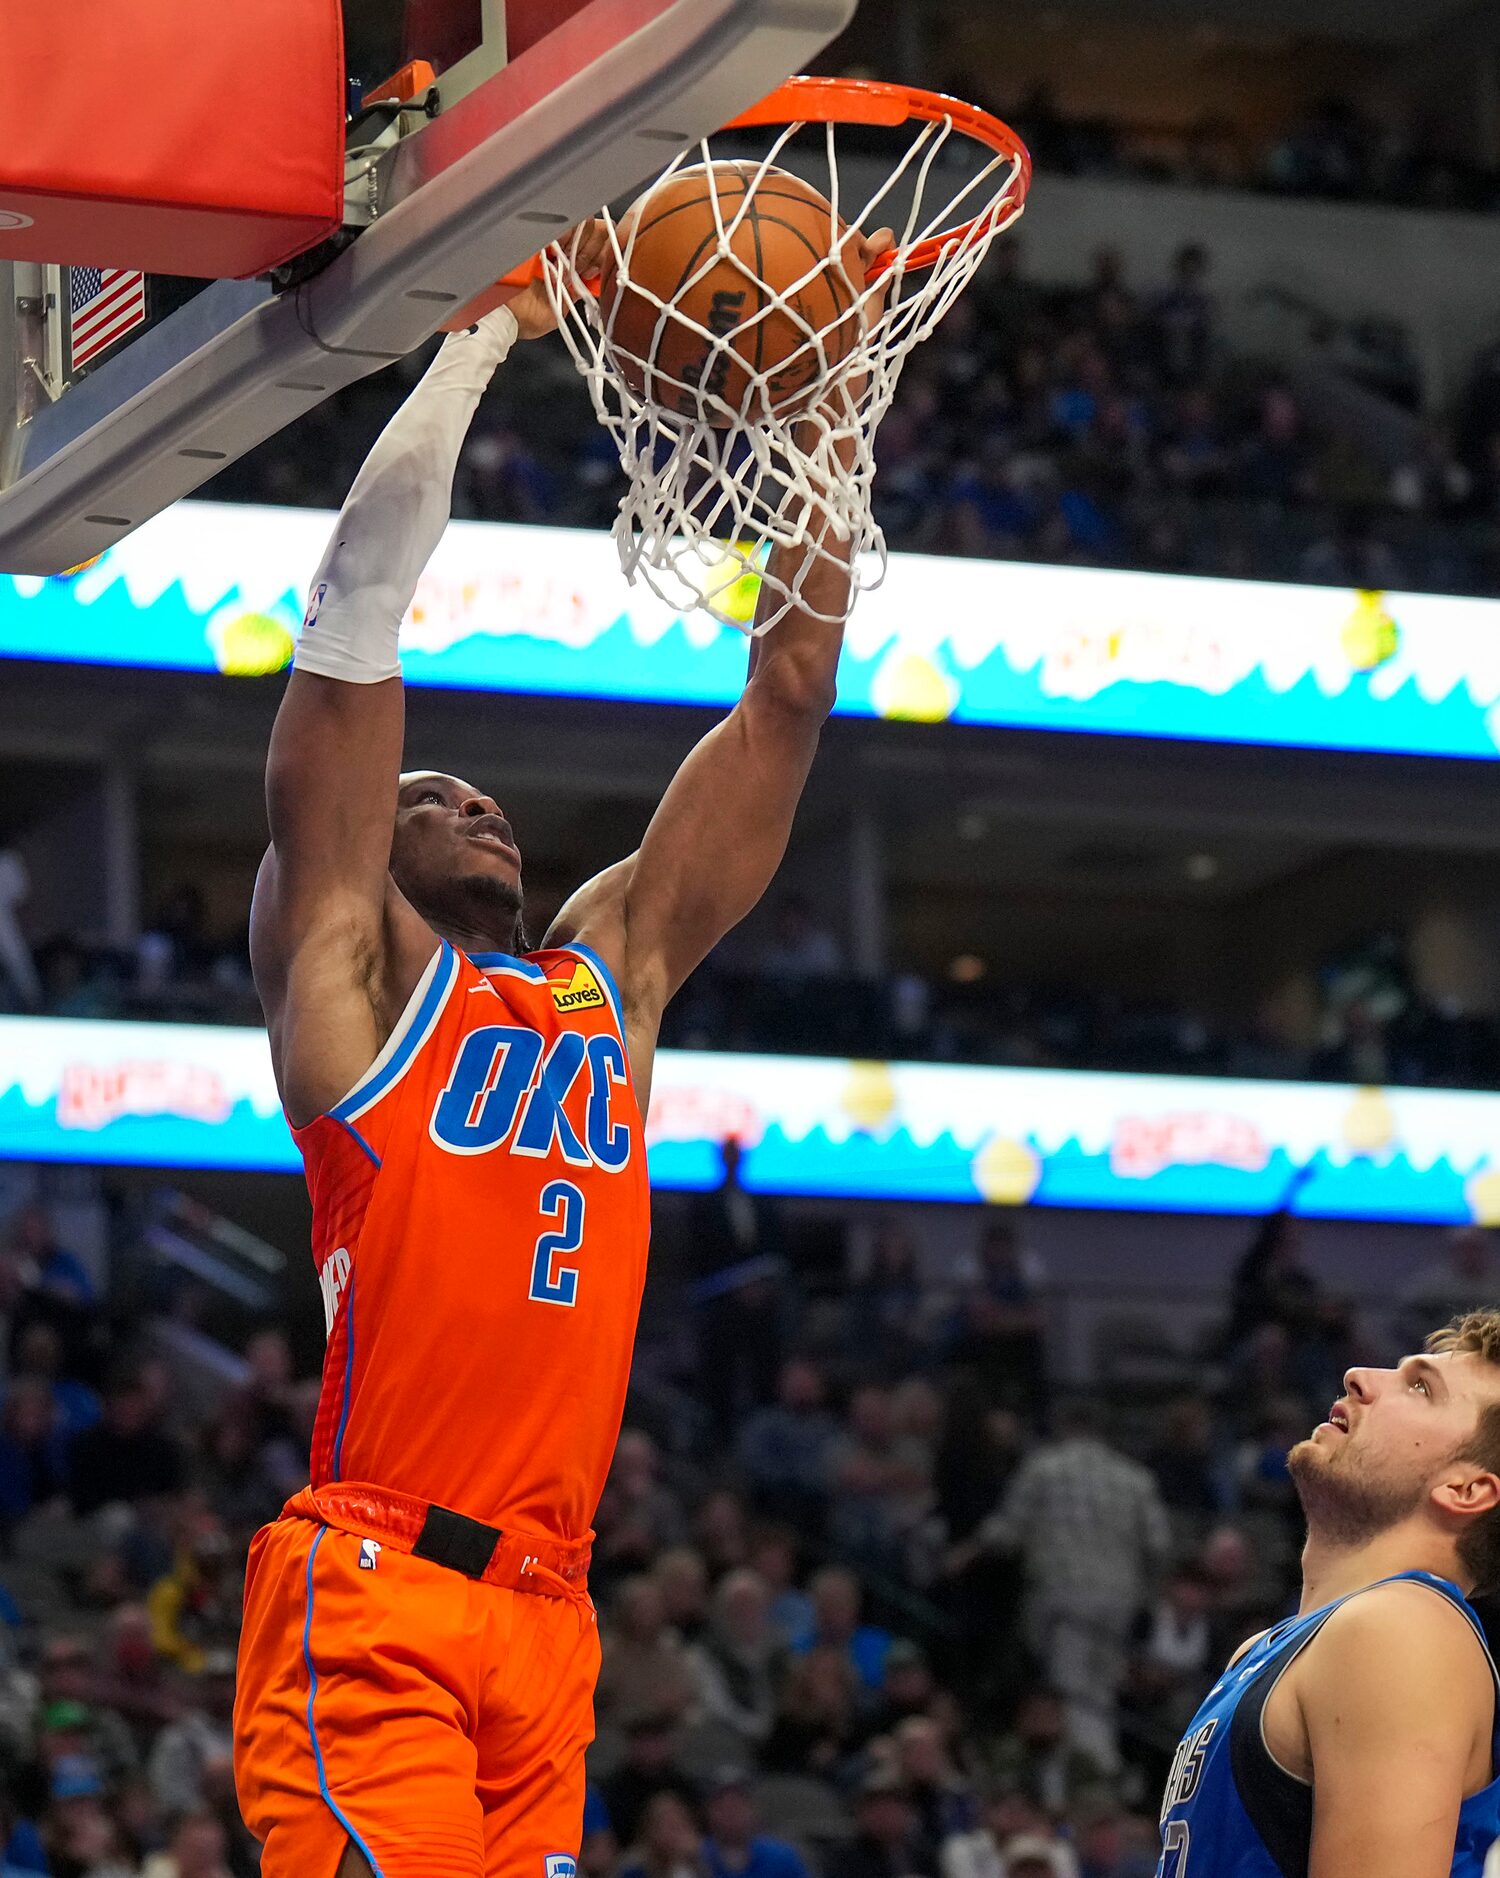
[(535, 314)]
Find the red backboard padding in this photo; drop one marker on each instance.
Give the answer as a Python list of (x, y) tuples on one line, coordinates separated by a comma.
[(527, 21), (171, 135)]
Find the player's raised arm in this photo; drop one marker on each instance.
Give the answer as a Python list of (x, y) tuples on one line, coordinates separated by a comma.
[(319, 925), (718, 837), (1398, 1721)]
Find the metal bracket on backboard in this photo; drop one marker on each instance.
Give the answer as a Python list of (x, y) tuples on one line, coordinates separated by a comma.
[(590, 112), (366, 163), (36, 290)]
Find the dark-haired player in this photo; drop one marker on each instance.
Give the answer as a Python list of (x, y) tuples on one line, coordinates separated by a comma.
[(419, 1650)]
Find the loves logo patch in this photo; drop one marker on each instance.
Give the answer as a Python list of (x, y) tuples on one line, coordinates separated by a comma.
[(577, 989)]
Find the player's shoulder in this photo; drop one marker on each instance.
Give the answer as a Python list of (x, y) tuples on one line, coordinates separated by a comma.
[(576, 978), (1245, 1648), (1397, 1660), (1422, 1601), (594, 916), (1399, 1623)]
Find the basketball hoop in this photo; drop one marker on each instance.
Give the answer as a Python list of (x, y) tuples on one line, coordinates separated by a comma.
[(716, 487)]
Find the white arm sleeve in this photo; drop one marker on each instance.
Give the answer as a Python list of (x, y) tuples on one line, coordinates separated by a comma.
[(396, 513)]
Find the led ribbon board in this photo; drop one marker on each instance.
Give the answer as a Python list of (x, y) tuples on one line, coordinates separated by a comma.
[(183, 1095), (208, 587)]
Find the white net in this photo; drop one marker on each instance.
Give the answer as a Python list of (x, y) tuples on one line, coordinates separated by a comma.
[(717, 490)]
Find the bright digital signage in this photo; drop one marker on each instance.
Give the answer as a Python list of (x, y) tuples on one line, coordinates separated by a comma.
[(182, 1096), (210, 587)]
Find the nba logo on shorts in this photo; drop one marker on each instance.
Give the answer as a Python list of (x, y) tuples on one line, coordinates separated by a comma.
[(369, 1554), (314, 604), (560, 1865)]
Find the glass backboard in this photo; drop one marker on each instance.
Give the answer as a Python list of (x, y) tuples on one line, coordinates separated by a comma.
[(544, 110)]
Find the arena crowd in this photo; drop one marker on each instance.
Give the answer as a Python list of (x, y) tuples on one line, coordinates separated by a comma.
[(1104, 424), (877, 1596), (1363, 1018)]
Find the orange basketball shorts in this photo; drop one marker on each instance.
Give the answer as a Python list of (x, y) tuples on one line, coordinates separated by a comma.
[(436, 1721)]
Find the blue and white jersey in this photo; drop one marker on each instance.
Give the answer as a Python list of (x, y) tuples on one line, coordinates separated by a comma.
[(1230, 1811)]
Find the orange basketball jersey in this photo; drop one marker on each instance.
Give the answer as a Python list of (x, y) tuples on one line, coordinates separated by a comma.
[(481, 1214)]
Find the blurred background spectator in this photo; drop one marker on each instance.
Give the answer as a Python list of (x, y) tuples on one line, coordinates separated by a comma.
[(918, 1613), (915, 1555)]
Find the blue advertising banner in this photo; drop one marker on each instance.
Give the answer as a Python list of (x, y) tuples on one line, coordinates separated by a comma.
[(210, 587), (170, 1095)]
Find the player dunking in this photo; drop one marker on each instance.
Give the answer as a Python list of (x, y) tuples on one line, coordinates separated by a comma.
[(419, 1651), (1359, 1738)]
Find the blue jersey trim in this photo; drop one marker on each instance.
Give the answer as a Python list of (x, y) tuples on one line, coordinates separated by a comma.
[(505, 962), (1450, 1592), (606, 978), (312, 1728), (338, 1439), (356, 1137), (1233, 1811), (412, 1030)]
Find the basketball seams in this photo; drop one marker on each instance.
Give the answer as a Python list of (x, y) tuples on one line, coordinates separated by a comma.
[(690, 274), (827, 272), (820, 255), (742, 219), (677, 339), (694, 270), (761, 288), (769, 302), (806, 197), (838, 284)]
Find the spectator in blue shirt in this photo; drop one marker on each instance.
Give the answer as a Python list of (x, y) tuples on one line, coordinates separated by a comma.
[(49, 1264), (774, 1557), (23, 1854), (53, 1287), (39, 1354), (33, 1450), (836, 1600), (733, 1848), (600, 1851), (1102, 1835)]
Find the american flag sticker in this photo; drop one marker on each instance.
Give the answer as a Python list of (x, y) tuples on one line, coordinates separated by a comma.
[(104, 303)]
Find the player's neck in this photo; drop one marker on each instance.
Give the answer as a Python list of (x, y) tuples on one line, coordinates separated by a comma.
[(478, 915), (480, 922), (480, 937), (1331, 1570)]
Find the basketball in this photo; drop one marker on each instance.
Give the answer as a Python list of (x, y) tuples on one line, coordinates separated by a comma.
[(701, 320)]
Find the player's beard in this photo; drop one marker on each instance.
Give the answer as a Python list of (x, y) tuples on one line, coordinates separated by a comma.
[(494, 901), (1345, 1500)]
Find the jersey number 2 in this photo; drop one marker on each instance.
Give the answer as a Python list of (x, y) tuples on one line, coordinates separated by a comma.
[(551, 1281), (1174, 1849)]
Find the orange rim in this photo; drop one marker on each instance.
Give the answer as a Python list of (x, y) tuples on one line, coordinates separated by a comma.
[(848, 101), (873, 101)]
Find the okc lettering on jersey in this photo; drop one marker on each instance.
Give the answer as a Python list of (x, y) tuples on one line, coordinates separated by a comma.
[(507, 1089)]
